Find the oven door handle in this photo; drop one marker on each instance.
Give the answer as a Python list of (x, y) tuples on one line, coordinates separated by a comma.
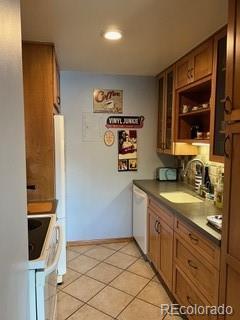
[(53, 266)]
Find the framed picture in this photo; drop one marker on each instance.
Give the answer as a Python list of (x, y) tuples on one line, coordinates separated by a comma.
[(107, 101), (127, 150)]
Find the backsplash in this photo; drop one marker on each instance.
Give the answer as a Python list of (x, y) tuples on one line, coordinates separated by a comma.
[(215, 168)]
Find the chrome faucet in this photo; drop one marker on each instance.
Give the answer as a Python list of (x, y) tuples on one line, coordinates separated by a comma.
[(185, 171)]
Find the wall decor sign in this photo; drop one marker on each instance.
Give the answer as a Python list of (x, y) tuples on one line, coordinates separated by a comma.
[(107, 101), (125, 122), (127, 150), (109, 138)]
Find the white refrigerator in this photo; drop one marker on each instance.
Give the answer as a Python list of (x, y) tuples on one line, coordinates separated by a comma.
[(60, 188)]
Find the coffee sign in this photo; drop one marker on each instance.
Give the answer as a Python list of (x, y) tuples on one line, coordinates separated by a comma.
[(107, 101)]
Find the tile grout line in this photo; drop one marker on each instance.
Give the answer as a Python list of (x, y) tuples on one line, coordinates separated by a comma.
[(109, 283)]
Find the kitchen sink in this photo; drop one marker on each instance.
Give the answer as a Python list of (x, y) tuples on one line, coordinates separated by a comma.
[(180, 197)]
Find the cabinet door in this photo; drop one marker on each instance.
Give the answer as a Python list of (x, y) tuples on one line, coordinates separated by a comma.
[(166, 253), (183, 76), (202, 61), (232, 104), (218, 95), (154, 241), (230, 266), (168, 132), (161, 102), (56, 83), (39, 130)]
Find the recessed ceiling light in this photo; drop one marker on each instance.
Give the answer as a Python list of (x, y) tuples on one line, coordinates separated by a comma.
[(112, 35)]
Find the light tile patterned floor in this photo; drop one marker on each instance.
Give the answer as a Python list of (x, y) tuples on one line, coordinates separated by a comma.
[(110, 281)]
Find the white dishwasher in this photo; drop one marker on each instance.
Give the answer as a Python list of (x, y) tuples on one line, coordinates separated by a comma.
[(140, 203)]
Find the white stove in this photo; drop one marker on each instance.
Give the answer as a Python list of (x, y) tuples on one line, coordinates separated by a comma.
[(45, 245)]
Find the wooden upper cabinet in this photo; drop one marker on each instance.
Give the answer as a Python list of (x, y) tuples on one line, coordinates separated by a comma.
[(217, 97), (38, 81), (232, 103), (202, 60), (56, 84), (195, 66), (165, 111), (183, 75), (161, 110)]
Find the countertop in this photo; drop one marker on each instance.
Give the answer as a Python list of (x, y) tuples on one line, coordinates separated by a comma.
[(194, 214)]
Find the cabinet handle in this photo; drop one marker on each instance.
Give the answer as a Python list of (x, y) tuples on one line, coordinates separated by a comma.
[(155, 227), (158, 227), (227, 138), (191, 72), (190, 263), (188, 74), (192, 238), (227, 104), (58, 101), (31, 187)]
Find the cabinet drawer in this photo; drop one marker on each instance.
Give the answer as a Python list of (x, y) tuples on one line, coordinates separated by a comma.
[(206, 248), (187, 295), (164, 214), (199, 271)]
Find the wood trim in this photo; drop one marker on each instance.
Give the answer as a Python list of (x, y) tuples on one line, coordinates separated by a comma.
[(39, 207), (97, 241), (212, 156)]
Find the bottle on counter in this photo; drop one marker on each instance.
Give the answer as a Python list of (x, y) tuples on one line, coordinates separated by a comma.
[(198, 178), (219, 192), (207, 181)]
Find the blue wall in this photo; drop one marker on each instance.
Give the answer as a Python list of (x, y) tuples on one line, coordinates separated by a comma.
[(99, 199)]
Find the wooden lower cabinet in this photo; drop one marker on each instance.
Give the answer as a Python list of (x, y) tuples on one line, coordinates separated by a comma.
[(198, 270), (186, 260), (154, 239), (188, 295), (161, 243)]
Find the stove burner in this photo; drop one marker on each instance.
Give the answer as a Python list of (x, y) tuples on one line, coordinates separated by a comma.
[(33, 224)]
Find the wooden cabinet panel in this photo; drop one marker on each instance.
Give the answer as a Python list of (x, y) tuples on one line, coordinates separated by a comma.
[(161, 102), (217, 97), (188, 295), (56, 84), (164, 214), (230, 262), (154, 240), (206, 248), (195, 66), (161, 240), (183, 76), (232, 292), (39, 70), (202, 60), (166, 253), (232, 186), (199, 271), (232, 105)]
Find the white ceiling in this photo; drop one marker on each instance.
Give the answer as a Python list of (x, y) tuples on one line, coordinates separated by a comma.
[(156, 32)]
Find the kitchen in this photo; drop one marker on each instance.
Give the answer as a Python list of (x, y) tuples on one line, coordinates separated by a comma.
[(176, 119)]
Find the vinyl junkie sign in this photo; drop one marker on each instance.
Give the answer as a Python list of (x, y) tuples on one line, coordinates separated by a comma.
[(125, 122)]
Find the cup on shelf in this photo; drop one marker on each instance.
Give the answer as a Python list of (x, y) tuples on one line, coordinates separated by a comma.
[(185, 108), (199, 135), (205, 105)]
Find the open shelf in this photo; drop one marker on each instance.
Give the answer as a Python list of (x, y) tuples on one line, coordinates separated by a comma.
[(191, 113), (191, 122), (191, 141)]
